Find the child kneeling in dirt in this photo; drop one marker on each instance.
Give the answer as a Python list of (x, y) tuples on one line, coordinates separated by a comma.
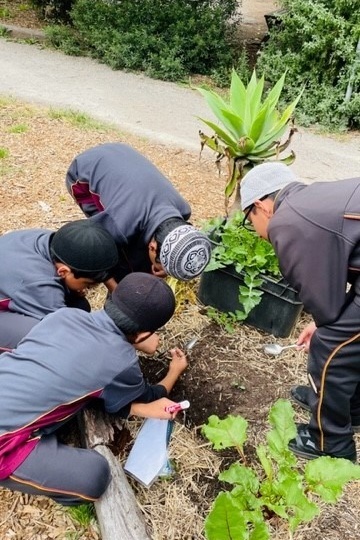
[(42, 271), (67, 360)]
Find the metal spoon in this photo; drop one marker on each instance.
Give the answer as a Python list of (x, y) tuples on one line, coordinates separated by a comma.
[(190, 344), (275, 348), (187, 348)]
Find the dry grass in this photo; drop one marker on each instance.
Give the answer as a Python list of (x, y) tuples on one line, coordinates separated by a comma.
[(174, 507)]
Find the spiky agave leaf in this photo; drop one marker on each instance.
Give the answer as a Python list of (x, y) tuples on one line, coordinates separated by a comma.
[(251, 129), (222, 111)]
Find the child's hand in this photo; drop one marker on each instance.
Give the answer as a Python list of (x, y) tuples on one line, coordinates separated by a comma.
[(155, 409), (306, 335), (157, 270), (179, 361)]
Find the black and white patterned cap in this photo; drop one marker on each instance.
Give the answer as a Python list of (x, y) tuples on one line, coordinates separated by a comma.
[(185, 252)]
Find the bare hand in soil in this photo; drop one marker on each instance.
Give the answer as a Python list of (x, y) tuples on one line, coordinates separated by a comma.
[(178, 361)]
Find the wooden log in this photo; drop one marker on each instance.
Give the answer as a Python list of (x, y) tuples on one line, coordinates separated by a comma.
[(118, 513)]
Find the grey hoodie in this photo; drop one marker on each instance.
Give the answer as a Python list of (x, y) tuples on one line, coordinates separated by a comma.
[(315, 231)]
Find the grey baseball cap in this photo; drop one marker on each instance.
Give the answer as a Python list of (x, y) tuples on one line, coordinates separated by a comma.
[(264, 179)]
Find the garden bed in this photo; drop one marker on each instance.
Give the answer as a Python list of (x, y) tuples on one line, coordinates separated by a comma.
[(228, 373)]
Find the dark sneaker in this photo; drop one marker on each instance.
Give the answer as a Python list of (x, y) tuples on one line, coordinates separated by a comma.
[(300, 395), (305, 447)]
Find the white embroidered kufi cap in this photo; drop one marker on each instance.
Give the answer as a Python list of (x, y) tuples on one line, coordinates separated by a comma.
[(185, 252), (264, 179)]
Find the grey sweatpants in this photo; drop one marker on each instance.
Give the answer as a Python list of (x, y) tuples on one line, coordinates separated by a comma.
[(69, 476), (13, 327)]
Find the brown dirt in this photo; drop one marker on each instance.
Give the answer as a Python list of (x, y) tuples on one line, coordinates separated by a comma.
[(228, 373), (19, 12)]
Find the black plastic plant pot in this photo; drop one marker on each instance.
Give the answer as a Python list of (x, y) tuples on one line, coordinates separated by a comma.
[(277, 312)]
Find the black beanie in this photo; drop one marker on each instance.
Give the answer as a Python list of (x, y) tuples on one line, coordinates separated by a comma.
[(84, 247), (146, 300)]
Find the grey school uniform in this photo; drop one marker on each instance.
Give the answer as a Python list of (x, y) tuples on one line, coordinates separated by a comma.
[(29, 285), (66, 361), (315, 231), (124, 192)]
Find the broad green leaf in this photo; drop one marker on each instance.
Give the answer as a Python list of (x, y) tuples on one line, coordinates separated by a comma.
[(265, 461), (225, 521), (212, 98), (250, 89), (215, 265), (327, 476), (252, 281), (240, 475), (227, 433), (281, 417), (275, 148), (300, 508), (270, 121), (260, 532), (249, 503), (261, 149), (237, 95), (249, 301)]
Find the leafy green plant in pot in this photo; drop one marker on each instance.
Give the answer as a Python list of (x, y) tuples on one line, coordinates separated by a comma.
[(249, 133)]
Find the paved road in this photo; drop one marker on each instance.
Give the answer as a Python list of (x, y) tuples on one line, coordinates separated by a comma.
[(165, 112)]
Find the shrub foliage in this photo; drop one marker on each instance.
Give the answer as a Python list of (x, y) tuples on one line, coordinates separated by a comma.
[(165, 38), (317, 43)]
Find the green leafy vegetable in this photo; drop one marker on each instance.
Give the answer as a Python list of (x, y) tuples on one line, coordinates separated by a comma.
[(274, 486), (248, 253)]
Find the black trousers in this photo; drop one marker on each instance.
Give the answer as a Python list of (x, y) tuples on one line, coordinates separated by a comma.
[(334, 375)]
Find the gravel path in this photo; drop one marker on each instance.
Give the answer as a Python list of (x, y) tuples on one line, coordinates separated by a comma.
[(164, 112)]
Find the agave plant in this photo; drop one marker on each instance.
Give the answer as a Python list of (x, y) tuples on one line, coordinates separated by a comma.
[(250, 129)]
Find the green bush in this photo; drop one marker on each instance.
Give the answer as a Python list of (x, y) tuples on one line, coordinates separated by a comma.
[(167, 39), (316, 41)]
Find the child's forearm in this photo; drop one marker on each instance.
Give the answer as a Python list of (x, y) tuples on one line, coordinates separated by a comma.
[(155, 409), (170, 378), (177, 366)]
